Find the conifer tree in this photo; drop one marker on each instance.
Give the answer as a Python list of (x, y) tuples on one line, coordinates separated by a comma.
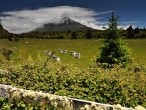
[(113, 51), (130, 32)]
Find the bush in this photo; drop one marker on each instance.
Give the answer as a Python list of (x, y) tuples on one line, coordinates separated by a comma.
[(115, 85)]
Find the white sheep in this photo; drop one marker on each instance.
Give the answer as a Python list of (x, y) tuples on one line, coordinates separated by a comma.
[(60, 50), (64, 51), (55, 58), (51, 54), (72, 53), (77, 55)]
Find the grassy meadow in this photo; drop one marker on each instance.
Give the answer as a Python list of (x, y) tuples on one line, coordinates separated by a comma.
[(71, 77), (32, 49)]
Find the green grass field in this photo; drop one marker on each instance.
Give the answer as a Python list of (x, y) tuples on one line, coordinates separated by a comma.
[(125, 86), (32, 49)]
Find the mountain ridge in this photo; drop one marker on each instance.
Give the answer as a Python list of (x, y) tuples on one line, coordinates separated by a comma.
[(65, 25), (3, 32)]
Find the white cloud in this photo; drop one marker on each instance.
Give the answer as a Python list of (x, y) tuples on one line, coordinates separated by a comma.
[(126, 26), (27, 20)]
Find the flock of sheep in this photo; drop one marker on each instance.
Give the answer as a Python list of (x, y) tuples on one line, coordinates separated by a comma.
[(51, 54)]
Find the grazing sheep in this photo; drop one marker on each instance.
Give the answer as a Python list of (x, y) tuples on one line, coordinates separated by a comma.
[(72, 53), (77, 55), (60, 50), (55, 58), (51, 54), (64, 51)]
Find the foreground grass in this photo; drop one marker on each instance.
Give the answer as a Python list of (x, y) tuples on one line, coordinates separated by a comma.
[(72, 77), (32, 49)]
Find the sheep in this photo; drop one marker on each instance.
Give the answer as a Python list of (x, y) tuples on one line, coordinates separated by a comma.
[(77, 55), (55, 58), (64, 51), (72, 53), (60, 50), (51, 54)]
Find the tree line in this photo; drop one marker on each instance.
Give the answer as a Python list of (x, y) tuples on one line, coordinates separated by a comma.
[(130, 33)]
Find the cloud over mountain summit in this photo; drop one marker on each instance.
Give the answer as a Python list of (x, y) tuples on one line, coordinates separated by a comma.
[(27, 20)]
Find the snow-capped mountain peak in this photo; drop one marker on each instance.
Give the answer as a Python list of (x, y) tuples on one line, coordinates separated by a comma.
[(65, 24), (67, 20)]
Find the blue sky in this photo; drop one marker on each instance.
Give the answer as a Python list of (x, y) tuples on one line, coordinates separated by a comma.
[(93, 13)]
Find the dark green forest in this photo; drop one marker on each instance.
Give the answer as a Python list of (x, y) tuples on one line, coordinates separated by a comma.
[(129, 33)]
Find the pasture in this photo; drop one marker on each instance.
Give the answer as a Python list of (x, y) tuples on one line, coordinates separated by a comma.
[(32, 49), (71, 76)]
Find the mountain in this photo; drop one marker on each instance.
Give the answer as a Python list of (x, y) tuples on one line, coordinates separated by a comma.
[(65, 25), (3, 32), (1, 27)]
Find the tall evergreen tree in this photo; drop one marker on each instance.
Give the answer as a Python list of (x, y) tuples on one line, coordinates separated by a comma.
[(136, 31), (113, 51), (130, 32)]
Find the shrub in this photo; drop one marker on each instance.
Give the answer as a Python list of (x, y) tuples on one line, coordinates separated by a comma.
[(115, 85)]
